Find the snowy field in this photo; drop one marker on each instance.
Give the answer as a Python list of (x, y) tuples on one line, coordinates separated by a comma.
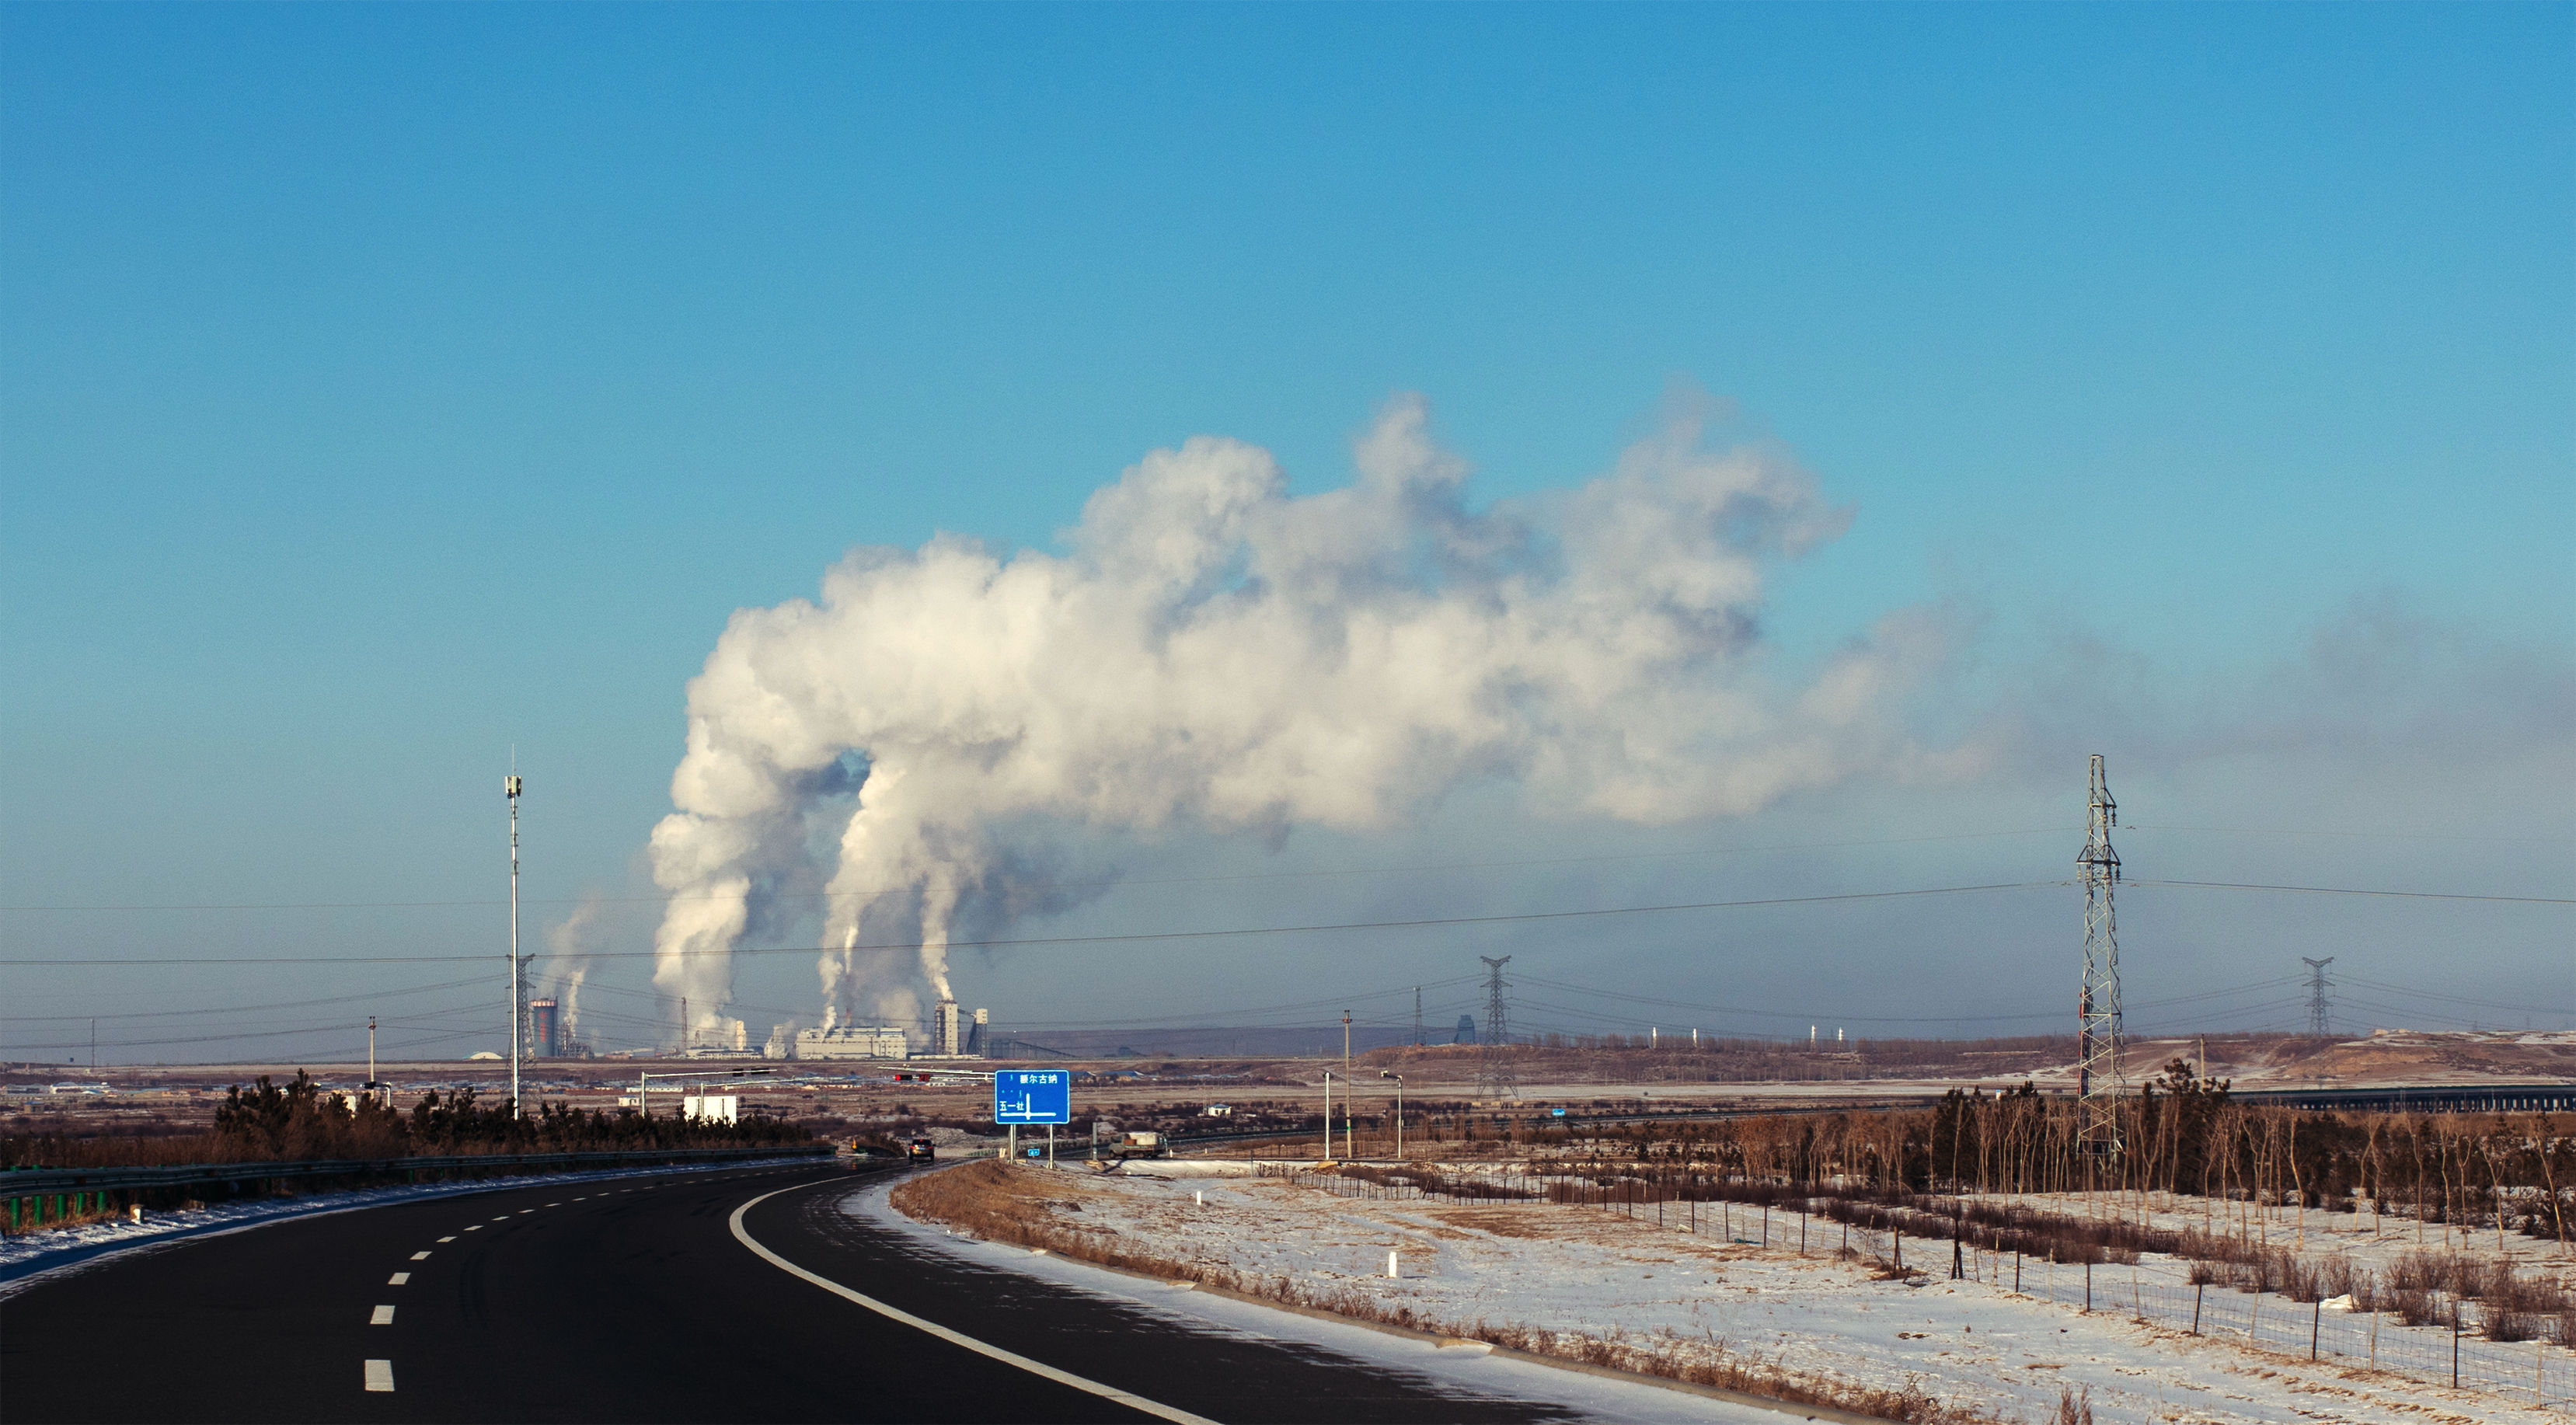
[(1973, 1342), (1463, 1368), (28, 1255)]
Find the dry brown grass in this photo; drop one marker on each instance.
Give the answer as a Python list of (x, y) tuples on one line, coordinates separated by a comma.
[(994, 1200)]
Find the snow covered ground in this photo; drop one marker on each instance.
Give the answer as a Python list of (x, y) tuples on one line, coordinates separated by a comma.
[(28, 1255), (1970, 1342), (1463, 1368)]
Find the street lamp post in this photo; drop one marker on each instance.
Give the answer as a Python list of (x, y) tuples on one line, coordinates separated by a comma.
[(1399, 1110)]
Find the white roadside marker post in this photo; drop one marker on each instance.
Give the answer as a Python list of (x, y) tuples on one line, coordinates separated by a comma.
[(1390, 1264)]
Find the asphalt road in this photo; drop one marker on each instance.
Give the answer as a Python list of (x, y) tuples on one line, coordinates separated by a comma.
[(634, 1300)]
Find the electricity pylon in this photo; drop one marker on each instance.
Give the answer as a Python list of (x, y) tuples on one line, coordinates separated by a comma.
[(2097, 1055), (1494, 1076), (2317, 995)]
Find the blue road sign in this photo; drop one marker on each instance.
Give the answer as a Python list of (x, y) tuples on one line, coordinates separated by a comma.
[(1033, 1096)]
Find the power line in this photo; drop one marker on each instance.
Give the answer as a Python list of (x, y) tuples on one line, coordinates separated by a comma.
[(2347, 891), (1116, 881), (1138, 938)]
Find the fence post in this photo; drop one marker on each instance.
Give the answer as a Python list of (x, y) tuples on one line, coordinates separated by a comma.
[(2196, 1289), (2455, 1345), (2088, 1287), (2316, 1322)]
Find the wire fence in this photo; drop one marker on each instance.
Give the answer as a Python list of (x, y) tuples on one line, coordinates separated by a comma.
[(2448, 1353)]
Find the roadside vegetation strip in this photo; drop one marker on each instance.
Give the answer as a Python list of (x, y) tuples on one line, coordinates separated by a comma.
[(1040, 1369), (993, 1200)]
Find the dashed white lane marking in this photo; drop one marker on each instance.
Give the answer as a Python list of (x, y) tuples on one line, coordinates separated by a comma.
[(1129, 1399), (381, 1316), (451, 1239), (522, 1212), (420, 1256), (504, 1217), (555, 1204), (477, 1227), (380, 1375), (398, 1278)]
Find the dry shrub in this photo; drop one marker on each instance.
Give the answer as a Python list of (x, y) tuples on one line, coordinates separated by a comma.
[(2073, 1407)]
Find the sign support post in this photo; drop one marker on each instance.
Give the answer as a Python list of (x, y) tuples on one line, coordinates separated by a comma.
[(1033, 1096)]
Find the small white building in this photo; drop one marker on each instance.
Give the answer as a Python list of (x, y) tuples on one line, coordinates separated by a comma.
[(711, 1108)]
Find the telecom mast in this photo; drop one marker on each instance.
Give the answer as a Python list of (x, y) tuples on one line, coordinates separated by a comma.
[(2317, 982), (510, 788), (2097, 1054)]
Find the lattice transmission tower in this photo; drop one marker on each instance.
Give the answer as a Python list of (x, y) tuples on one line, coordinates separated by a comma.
[(2318, 1024), (1494, 1076), (2097, 1049)]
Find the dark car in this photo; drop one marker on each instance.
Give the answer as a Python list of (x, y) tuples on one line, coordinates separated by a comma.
[(920, 1151)]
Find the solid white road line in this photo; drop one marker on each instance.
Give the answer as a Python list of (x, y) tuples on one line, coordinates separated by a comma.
[(380, 1375), (1129, 1399), (398, 1278), (420, 1256), (381, 1316)]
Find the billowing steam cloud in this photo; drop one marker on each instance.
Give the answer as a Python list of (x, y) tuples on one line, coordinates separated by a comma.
[(1213, 652), (569, 947)]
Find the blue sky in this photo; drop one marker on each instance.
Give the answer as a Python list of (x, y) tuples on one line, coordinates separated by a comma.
[(383, 387)]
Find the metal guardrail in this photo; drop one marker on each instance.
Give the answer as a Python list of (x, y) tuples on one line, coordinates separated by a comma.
[(34, 1182), (2421, 1098)]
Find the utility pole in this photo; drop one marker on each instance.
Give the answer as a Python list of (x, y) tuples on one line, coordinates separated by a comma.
[(1350, 1130), (510, 787), (1399, 1110), (2097, 1055), (1417, 1016), (1495, 1075), (2317, 994), (371, 1053)]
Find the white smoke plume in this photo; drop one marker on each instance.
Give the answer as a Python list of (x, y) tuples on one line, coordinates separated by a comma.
[(1212, 652), (569, 946)]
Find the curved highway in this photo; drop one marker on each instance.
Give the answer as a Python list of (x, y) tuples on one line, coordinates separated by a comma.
[(689, 1296)]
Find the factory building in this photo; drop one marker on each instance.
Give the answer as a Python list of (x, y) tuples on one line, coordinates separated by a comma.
[(544, 1033), (943, 1029), (977, 1033), (852, 1041)]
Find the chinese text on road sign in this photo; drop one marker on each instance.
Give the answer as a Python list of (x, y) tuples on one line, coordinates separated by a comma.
[(1033, 1096)]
